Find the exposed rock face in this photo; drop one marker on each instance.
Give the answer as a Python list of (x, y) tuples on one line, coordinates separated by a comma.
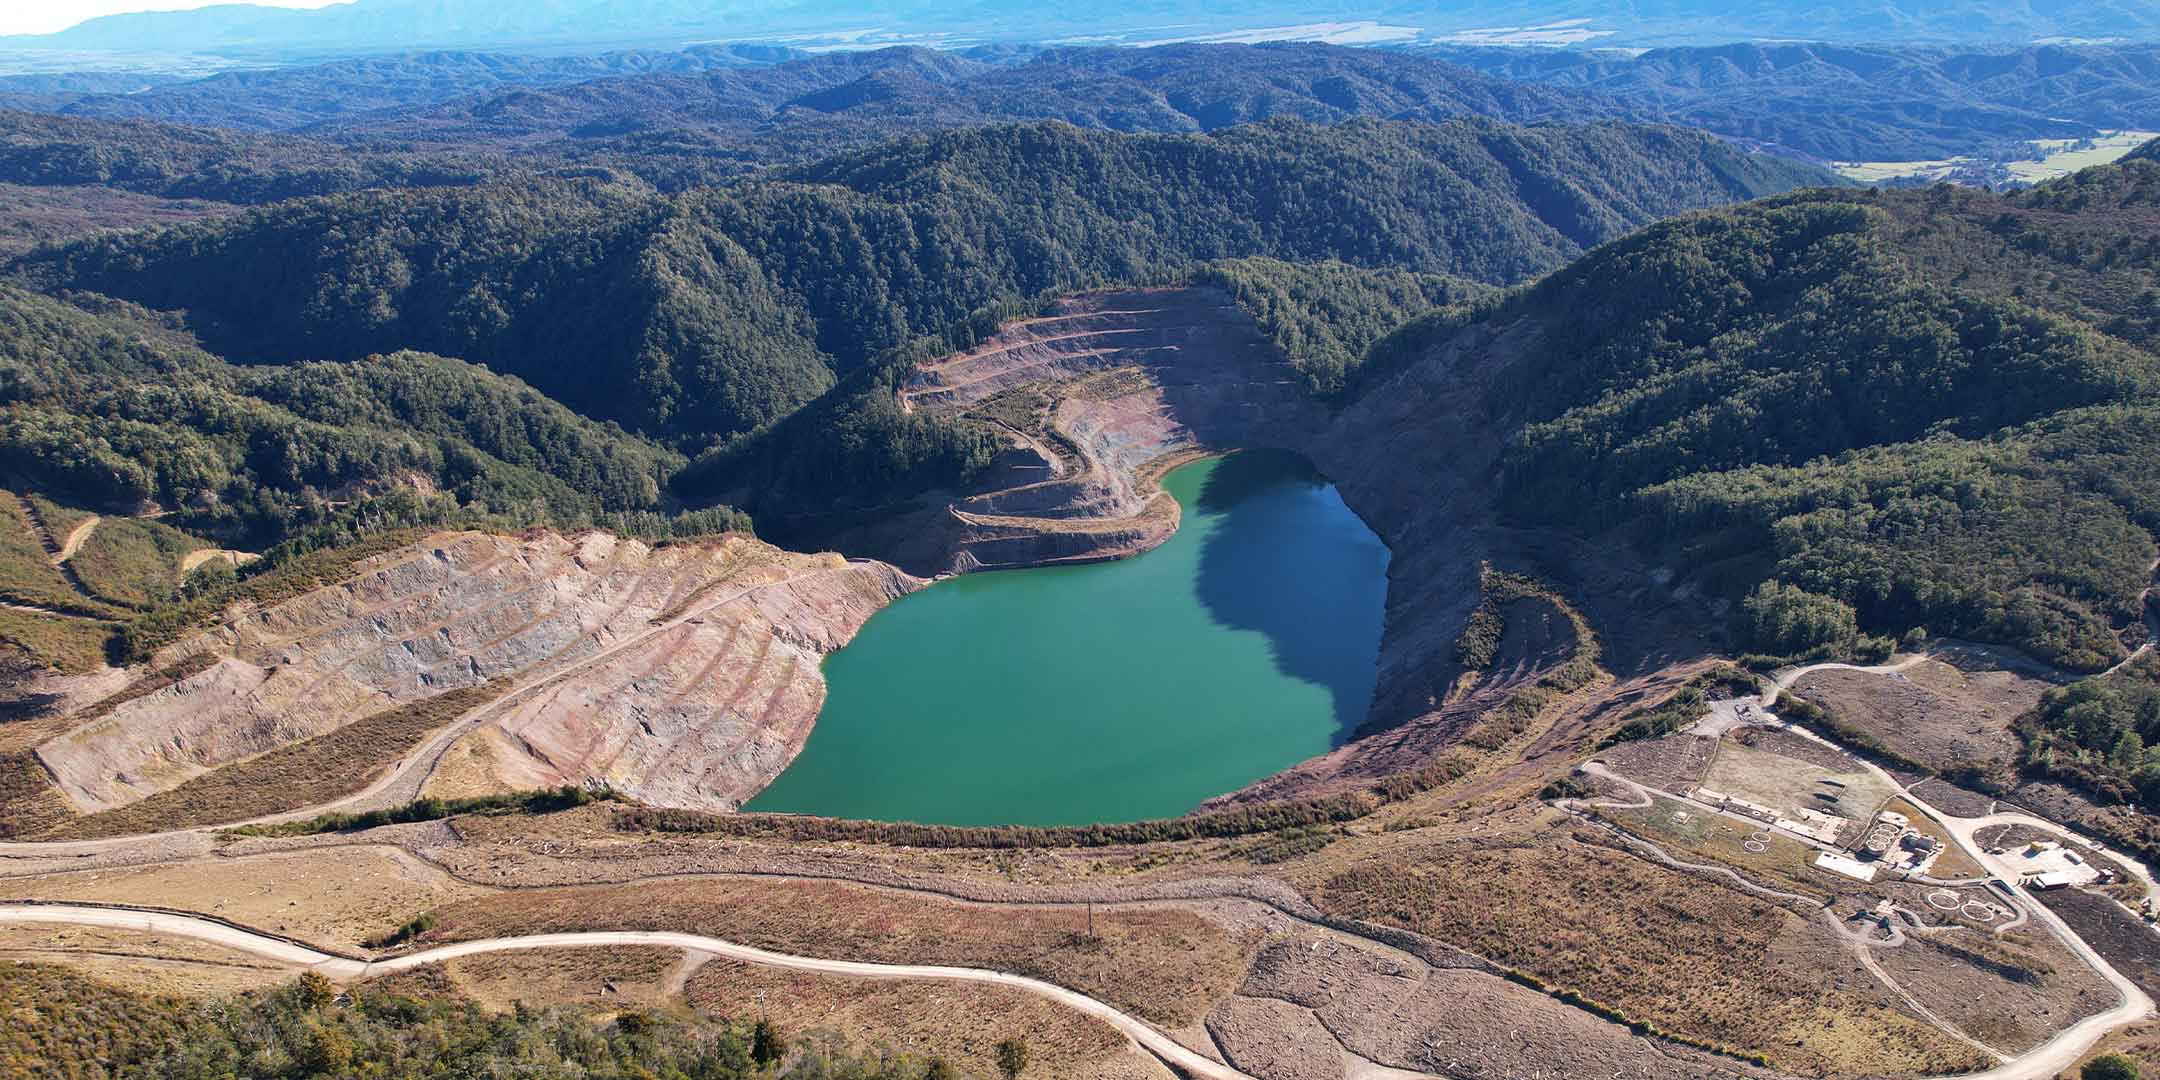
[(685, 674), (1099, 398)]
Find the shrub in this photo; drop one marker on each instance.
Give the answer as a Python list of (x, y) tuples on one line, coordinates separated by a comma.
[(2109, 1067)]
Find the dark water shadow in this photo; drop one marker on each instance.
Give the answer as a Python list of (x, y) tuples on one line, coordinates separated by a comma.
[(1290, 561)]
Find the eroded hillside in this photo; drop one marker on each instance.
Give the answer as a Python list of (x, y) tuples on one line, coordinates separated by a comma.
[(685, 674)]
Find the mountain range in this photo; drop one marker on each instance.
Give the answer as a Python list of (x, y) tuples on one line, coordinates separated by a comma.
[(256, 33)]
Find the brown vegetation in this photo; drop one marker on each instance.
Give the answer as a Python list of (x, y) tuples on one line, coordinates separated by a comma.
[(29, 802), (1166, 965), (962, 1021), (1651, 945), (68, 645), (298, 775), (1934, 716)]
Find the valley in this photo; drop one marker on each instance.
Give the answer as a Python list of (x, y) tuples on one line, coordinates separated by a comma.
[(1050, 560)]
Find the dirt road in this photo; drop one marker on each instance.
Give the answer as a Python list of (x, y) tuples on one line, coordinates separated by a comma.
[(2068, 1045), (1155, 1042), (76, 539)]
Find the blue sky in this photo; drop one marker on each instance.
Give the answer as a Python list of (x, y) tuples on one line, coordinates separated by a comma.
[(46, 16)]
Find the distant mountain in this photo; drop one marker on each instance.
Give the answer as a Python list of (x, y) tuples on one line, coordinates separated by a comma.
[(387, 25), (680, 126), (1861, 103), (723, 109), (175, 161), (278, 99), (857, 97)]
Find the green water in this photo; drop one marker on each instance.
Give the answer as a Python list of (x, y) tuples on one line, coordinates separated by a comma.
[(1114, 691)]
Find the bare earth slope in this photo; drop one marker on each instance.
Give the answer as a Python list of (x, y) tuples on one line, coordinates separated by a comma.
[(685, 674), (1098, 399)]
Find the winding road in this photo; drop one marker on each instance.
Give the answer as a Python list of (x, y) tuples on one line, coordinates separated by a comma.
[(1173, 1053), (2062, 1051)]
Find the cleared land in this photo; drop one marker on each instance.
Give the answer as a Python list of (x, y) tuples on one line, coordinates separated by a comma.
[(146, 963), (1788, 784), (291, 777), (336, 896), (1684, 953), (962, 1022), (1165, 965), (1939, 715), (685, 674)]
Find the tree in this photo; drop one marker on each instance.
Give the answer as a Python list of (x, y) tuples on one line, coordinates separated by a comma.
[(766, 1044), (315, 991), (1012, 1057), (940, 1069), (2110, 1067)]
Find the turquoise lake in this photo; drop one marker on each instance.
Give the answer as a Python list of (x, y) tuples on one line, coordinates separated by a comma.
[(1112, 691)]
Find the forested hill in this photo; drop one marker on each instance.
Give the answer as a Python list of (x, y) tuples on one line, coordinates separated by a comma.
[(2148, 152), (175, 161), (1860, 102), (284, 99), (106, 406), (704, 315), (822, 100), (1892, 410)]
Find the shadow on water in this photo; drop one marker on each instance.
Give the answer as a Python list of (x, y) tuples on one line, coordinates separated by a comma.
[(1317, 592)]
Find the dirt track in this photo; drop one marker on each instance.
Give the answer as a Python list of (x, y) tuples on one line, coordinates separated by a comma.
[(287, 952)]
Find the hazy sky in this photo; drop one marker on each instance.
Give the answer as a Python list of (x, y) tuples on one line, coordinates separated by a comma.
[(46, 16)]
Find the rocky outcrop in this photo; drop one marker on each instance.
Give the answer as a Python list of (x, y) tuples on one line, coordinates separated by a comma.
[(1097, 399), (686, 673)]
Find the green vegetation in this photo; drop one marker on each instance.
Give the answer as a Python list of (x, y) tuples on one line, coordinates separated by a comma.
[(133, 563), (433, 809), (1012, 1058), (2109, 1067), (2095, 733), (1872, 102), (106, 407), (1853, 414), (207, 163), (406, 1028), (708, 314), (1691, 702), (1244, 821), (1788, 620), (1325, 316)]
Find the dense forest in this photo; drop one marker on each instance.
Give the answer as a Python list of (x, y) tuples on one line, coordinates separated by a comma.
[(1860, 102), (709, 111), (175, 161), (703, 316), (104, 405), (1924, 409), (2103, 734), (292, 98)]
